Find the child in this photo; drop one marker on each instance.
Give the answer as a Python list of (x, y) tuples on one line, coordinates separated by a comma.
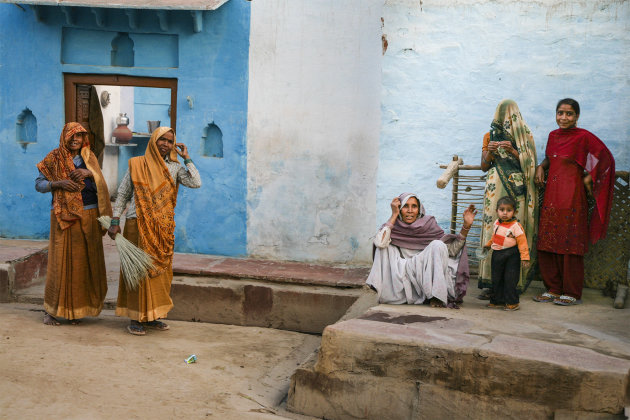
[(509, 246)]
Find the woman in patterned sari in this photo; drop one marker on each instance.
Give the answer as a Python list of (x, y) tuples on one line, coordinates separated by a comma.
[(149, 189), (509, 157), (76, 280)]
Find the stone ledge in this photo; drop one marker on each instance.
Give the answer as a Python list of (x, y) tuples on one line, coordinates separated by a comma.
[(249, 302), (455, 358), (267, 270)]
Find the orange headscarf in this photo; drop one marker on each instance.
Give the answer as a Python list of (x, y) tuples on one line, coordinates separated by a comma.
[(155, 193), (57, 165)]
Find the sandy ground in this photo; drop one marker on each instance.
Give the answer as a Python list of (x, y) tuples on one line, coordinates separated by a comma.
[(96, 370)]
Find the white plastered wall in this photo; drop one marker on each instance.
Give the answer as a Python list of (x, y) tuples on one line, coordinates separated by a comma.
[(313, 129)]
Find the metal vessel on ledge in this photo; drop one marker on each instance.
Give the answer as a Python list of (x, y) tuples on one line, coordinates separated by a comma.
[(122, 133)]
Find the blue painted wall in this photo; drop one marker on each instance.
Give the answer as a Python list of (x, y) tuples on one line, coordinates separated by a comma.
[(211, 68)]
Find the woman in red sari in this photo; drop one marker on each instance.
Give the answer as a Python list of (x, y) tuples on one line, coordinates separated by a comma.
[(578, 163)]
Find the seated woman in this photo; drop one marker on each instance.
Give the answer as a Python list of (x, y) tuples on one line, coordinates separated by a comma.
[(415, 261)]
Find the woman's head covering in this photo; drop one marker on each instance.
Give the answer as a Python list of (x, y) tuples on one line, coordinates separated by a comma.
[(509, 124), (155, 192), (404, 197), (152, 150), (416, 235), (57, 165)]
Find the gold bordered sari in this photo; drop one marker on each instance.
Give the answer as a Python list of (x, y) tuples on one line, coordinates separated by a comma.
[(155, 195), (76, 279)]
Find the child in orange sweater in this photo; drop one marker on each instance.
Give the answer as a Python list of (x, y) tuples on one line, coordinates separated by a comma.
[(509, 252)]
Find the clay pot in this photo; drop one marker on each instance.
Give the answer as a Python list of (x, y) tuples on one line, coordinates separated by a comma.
[(122, 133)]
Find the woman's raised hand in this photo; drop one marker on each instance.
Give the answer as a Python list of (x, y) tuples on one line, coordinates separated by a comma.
[(395, 205), (469, 216), (182, 150)]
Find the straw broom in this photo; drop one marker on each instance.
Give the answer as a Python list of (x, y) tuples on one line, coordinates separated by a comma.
[(134, 262)]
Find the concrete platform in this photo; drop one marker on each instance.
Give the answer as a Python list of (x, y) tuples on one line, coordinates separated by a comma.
[(278, 294), (416, 362)]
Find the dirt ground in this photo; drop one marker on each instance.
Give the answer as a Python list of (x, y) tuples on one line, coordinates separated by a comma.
[(96, 370)]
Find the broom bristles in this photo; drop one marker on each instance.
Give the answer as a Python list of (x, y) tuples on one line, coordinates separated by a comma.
[(135, 264)]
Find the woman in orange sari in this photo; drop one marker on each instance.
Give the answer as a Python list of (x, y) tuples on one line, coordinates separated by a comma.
[(150, 188), (76, 280)]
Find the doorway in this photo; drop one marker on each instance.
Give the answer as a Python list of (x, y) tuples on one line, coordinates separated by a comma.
[(95, 101)]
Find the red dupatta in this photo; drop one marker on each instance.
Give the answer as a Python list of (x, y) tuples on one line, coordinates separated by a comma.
[(590, 153)]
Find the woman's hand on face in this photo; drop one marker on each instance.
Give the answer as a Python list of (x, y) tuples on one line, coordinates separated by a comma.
[(67, 185), (539, 176), (395, 205), (469, 216), (78, 175), (182, 150)]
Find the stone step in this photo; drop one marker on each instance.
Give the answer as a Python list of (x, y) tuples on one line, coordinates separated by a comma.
[(421, 363), (278, 294), (22, 265), (249, 302)]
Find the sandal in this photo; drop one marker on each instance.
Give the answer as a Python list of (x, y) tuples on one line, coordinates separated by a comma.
[(136, 329), (565, 300), (546, 297), (156, 325), (495, 306), (514, 307)]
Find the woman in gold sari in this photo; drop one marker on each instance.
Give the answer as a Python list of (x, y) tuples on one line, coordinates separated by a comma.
[(150, 189), (509, 158), (76, 280)]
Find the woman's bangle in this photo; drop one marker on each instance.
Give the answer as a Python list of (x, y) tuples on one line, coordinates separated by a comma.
[(465, 228), (187, 161), (115, 222)]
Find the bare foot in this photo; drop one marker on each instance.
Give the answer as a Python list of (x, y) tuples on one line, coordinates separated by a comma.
[(50, 320)]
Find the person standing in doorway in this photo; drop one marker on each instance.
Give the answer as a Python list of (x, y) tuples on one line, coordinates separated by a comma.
[(150, 189)]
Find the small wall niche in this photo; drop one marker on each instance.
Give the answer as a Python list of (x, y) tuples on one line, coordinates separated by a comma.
[(122, 50), (26, 128), (212, 141)]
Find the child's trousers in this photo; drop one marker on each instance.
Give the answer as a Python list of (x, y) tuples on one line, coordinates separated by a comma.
[(506, 268)]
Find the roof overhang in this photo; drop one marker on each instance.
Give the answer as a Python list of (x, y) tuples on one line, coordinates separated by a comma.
[(132, 8), (128, 4)]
